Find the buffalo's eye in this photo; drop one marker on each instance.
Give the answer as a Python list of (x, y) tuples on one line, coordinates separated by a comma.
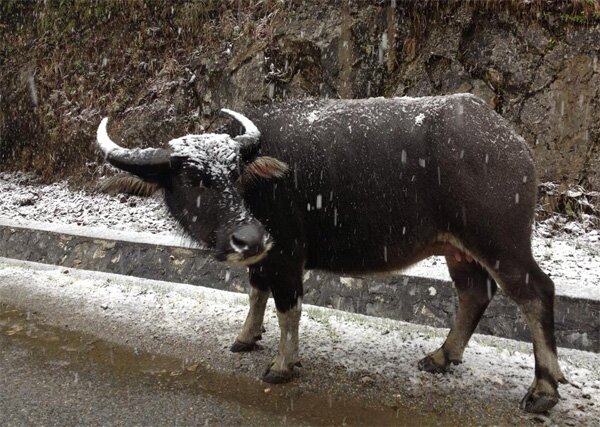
[(192, 175), (202, 181)]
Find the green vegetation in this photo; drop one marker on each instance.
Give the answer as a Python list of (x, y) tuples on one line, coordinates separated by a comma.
[(580, 18)]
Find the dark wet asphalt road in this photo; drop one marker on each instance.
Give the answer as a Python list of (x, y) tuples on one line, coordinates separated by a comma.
[(40, 387), (55, 376)]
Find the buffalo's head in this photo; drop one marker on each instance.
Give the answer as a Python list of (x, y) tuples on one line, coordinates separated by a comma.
[(203, 177)]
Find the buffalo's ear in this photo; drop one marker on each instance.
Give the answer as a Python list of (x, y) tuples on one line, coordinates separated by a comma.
[(264, 167), (130, 184)]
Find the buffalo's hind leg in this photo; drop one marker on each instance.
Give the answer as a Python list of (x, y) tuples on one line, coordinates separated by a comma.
[(475, 290), (533, 291), (252, 329)]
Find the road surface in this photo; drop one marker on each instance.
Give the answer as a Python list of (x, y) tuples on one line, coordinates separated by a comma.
[(43, 383), (97, 348)]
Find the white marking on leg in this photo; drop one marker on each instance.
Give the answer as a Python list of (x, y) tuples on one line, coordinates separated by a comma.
[(253, 324), (289, 322)]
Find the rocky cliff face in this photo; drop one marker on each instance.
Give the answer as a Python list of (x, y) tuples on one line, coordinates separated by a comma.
[(163, 71)]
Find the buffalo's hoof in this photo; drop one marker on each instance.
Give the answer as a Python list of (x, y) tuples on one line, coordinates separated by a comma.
[(241, 347), (276, 377), (538, 404), (427, 364)]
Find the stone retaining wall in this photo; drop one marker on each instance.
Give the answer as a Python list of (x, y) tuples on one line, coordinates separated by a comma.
[(412, 299)]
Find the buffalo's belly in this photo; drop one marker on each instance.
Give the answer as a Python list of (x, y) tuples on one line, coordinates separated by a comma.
[(367, 252)]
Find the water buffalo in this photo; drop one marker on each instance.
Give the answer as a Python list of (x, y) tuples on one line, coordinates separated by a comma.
[(359, 186)]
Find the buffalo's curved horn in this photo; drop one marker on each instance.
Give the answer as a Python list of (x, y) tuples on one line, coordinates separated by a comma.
[(250, 140), (147, 163)]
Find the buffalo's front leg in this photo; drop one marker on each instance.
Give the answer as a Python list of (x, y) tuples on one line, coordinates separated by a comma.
[(281, 368), (252, 329), (283, 275)]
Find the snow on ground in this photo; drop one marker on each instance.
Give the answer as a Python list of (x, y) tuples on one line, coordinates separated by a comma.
[(125, 308), (21, 198), (571, 256)]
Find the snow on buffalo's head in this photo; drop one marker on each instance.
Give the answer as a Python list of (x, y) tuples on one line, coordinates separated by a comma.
[(203, 178)]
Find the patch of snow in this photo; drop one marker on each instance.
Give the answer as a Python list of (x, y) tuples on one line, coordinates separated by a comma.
[(419, 119), (214, 153), (58, 204), (312, 116)]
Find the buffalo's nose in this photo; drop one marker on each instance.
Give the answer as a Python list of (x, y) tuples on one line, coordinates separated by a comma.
[(249, 240)]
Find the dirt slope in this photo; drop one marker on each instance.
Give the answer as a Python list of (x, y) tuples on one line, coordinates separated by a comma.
[(161, 69)]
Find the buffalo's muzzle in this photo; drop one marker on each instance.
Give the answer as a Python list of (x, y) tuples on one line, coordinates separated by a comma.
[(248, 244)]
